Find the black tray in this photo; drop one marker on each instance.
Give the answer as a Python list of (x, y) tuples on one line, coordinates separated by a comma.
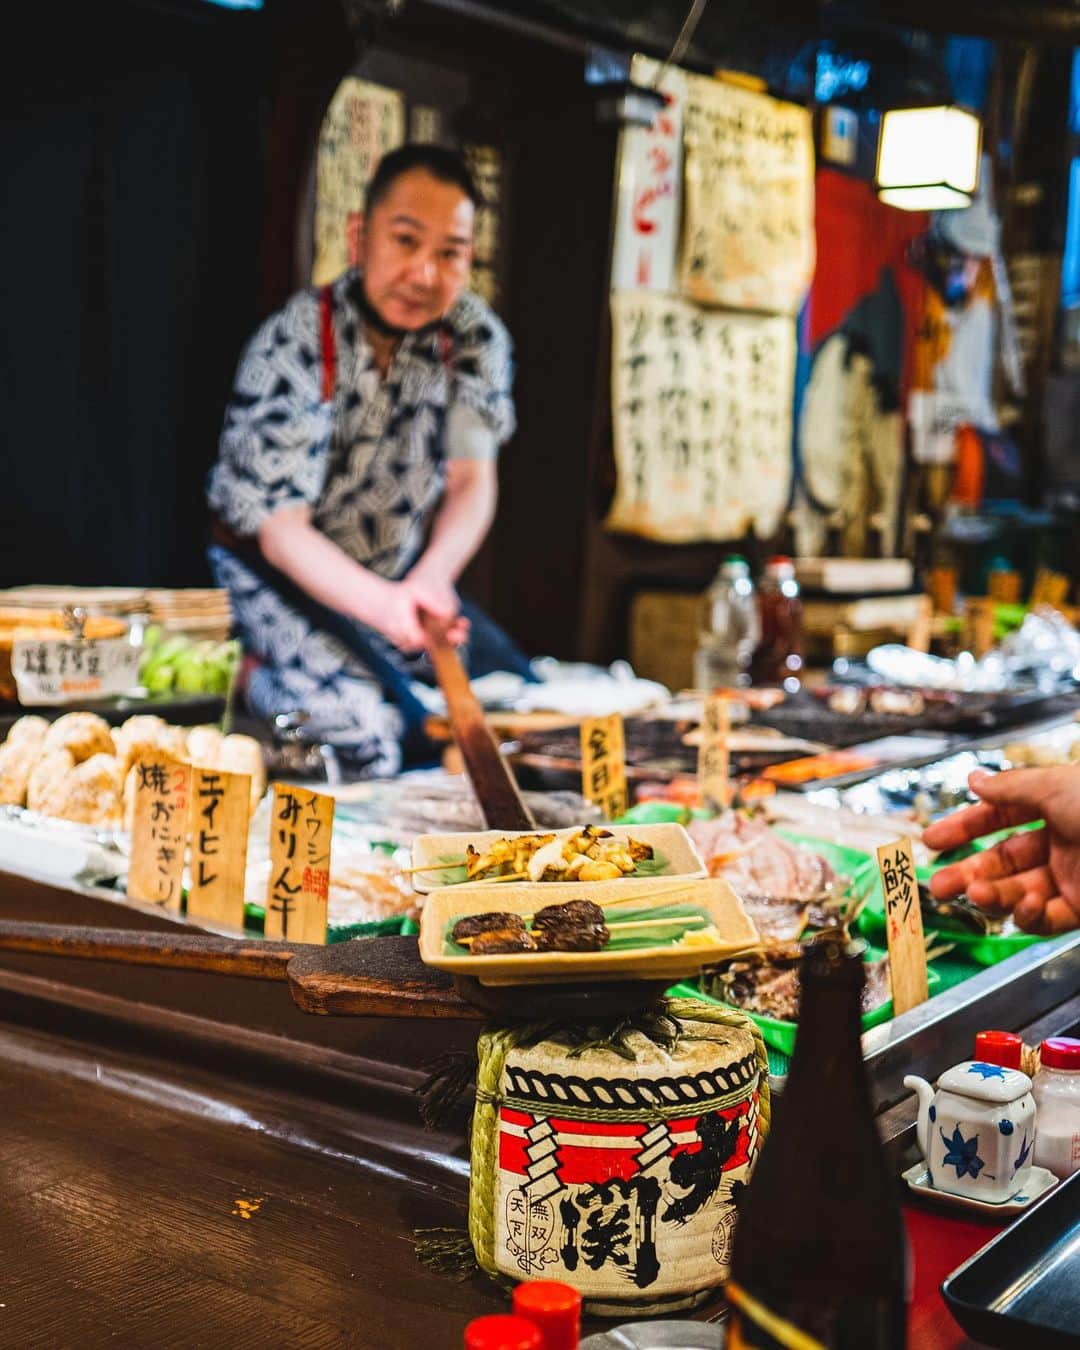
[(184, 710), (1023, 1288)]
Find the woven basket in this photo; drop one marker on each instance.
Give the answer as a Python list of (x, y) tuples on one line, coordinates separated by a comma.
[(617, 1172), (48, 626)]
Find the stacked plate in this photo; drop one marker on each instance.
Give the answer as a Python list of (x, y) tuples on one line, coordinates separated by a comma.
[(202, 612), (111, 600)]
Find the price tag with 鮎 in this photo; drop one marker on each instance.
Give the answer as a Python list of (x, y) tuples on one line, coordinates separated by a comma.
[(159, 831), (903, 921), (603, 764), (220, 807), (298, 893)]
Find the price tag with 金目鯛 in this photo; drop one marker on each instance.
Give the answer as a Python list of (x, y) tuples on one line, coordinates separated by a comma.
[(298, 893), (904, 926), (714, 759), (603, 764), (220, 808), (159, 831)]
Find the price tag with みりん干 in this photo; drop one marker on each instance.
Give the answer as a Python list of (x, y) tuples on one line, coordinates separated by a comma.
[(603, 764), (904, 926), (298, 893), (159, 830)]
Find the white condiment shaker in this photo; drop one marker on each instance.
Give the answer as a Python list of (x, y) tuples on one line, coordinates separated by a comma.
[(1056, 1089)]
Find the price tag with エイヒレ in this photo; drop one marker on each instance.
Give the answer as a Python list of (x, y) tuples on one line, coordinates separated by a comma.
[(904, 926), (159, 831), (603, 764), (298, 893), (220, 808)]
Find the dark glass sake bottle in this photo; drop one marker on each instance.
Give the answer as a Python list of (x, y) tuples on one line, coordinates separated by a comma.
[(820, 1256)]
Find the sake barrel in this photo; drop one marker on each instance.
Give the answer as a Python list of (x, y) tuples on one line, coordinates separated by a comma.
[(612, 1158)]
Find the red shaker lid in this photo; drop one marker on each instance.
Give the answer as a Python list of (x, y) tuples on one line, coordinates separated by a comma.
[(999, 1047), (1060, 1052), (503, 1332), (555, 1308)]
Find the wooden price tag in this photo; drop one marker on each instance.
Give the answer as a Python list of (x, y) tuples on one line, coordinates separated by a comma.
[(1050, 588), (714, 759), (298, 893), (159, 830), (1004, 587), (978, 626), (603, 764), (220, 809), (921, 630), (903, 920)]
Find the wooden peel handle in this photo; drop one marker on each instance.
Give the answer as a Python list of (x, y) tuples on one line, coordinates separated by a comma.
[(176, 951)]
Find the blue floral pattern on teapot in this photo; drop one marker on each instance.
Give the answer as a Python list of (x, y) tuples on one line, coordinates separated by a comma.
[(977, 1130)]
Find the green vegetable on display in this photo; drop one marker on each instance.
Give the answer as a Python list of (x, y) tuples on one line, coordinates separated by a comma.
[(187, 665)]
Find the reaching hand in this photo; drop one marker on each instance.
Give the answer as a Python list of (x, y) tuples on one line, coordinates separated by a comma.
[(1035, 875)]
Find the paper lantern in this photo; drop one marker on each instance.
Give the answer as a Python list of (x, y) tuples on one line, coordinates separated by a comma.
[(928, 158)]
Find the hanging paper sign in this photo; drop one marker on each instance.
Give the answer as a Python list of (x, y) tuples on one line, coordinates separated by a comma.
[(649, 203), (714, 760), (362, 123), (486, 166), (220, 809), (72, 670), (603, 764), (701, 413), (904, 928), (159, 831), (748, 238), (298, 893)]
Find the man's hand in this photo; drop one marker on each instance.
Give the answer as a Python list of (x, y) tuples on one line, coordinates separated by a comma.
[(401, 609), (1034, 875)]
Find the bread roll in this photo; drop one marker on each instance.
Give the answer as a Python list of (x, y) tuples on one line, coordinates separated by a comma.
[(90, 793), (45, 777), (204, 747), (29, 730), (83, 734), (243, 754)]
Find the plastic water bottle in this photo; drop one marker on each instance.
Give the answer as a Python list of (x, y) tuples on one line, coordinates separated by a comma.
[(726, 649)]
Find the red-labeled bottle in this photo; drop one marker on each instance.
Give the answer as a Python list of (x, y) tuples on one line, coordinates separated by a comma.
[(778, 657), (555, 1308), (500, 1331), (1004, 1048)]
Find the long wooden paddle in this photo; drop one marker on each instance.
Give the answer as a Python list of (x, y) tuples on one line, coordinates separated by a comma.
[(501, 803)]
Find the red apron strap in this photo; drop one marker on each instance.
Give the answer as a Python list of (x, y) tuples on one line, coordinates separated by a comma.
[(329, 346)]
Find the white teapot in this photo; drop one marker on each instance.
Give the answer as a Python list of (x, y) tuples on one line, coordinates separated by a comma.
[(977, 1132)]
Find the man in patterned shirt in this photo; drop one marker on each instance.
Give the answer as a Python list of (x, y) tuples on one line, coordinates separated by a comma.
[(357, 469)]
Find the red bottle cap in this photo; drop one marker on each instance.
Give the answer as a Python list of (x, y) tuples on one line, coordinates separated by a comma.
[(556, 1310), (1060, 1052), (999, 1047), (503, 1332)]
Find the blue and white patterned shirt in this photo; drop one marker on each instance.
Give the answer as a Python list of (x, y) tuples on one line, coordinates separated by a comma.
[(370, 463)]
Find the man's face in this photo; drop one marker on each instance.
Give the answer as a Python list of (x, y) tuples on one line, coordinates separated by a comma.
[(416, 249)]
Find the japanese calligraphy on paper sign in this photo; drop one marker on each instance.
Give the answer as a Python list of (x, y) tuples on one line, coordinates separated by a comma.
[(701, 413), (219, 831), (159, 831), (903, 922), (603, 764), (485, 163), (362, 123), (650, 189), (748, 236), (48, 671), (298, 893)]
